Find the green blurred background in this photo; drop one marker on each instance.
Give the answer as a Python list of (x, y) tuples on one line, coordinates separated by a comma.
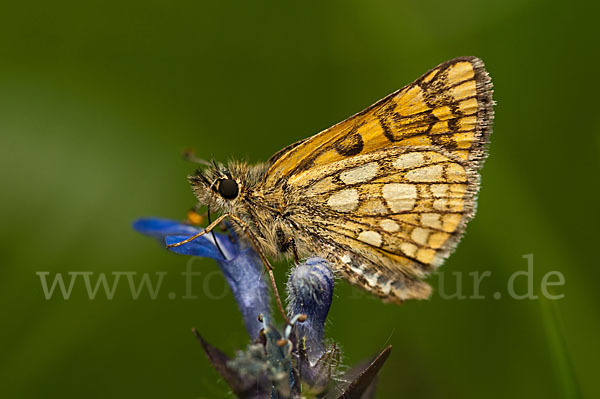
[(99, 98)]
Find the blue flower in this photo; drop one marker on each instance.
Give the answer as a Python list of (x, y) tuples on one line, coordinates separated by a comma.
[(241, 266), (277, 364)]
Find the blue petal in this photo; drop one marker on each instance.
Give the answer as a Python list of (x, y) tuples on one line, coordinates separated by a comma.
[(172, 232), (198, 247), (244, 273), (242, 269), (159, 228)]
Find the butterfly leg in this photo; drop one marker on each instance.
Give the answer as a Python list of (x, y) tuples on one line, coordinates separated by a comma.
[(265, 261), (290, 244), (286, 243), (205, 231)]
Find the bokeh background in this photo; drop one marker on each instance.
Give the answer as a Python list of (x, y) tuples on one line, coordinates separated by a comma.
[(99, 98)]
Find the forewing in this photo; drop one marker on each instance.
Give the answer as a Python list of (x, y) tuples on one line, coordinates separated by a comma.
[(449, 107)]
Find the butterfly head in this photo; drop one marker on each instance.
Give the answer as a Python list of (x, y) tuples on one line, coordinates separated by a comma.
[(216, 186)]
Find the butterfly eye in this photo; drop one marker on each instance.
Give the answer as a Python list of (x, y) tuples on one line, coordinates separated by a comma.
[(228, 188)]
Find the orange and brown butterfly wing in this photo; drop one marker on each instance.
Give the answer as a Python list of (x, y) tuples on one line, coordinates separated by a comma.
[(386, 195)]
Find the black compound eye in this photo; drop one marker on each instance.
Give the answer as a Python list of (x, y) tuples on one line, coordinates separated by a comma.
[(228, 188)]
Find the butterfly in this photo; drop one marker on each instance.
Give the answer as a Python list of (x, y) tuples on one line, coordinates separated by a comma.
[(384, 196)]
